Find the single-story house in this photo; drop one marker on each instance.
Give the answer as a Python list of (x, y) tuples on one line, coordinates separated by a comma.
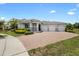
[(45, 26)]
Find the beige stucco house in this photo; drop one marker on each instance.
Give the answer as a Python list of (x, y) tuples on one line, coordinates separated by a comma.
[(45, 26)]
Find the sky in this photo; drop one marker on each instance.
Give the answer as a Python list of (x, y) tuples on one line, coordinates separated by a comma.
[(62, 12)]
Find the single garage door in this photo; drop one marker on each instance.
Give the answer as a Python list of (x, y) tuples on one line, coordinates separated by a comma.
[(44, 28), (61, 28), (51, 28)]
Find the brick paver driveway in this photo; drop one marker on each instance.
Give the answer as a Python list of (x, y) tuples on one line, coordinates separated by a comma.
[(41, 39)]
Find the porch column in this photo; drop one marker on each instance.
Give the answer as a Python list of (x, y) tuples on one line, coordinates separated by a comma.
[(30, 25), (37, 27)]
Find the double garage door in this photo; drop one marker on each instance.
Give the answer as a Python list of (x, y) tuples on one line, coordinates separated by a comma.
[(53, 28)]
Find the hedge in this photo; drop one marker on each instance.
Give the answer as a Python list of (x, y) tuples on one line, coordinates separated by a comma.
[(28, 32), (20, 31)]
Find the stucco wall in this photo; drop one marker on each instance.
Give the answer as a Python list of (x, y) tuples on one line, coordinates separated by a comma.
[(47, 27), (20, 26)]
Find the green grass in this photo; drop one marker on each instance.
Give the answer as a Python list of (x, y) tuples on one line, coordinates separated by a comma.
[(68, 47), (11, 33), (15, 33), (76, 31)]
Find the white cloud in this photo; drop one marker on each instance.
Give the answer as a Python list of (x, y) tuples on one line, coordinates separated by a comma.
[(52, 11), (71, 13), (2, 3), (2, 18)]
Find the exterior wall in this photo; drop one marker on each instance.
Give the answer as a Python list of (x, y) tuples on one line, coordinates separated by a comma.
[(44, 27), (20, 26)]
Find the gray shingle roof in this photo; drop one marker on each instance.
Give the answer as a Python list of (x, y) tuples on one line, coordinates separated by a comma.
[(52, 22), (43, 22), (30, 20)]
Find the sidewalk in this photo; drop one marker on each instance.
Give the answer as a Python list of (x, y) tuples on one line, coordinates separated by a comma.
[(11, 46)]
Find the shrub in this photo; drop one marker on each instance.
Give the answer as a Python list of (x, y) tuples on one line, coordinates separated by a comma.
[(69, 28), (70, 31), (28, 32), (23, 31), (27, 29), (76, 25), (20, 31)]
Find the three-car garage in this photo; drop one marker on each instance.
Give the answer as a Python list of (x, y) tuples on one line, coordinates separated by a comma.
[(53, 28)]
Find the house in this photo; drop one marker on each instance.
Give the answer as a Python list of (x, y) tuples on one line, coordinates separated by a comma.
[(45, 26)]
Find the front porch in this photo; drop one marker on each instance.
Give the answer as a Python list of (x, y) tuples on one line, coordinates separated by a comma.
[(34, 27)]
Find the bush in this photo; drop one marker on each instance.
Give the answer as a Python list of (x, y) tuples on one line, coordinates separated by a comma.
[(27, 29), (20, 31), (23, 31), (28, 32), (70, 31), (69, 28)]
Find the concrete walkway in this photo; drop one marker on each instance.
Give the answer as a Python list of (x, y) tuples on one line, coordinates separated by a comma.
[(11, 46), (41, 39)]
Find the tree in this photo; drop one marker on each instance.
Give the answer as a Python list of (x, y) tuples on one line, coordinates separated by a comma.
[(69, 27), (13, 23), (2, 25), (76, 25)]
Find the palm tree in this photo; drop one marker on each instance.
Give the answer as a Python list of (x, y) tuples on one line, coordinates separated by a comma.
[(13, 23)]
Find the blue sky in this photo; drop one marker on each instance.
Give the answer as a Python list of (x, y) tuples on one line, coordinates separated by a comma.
[(62, 12)]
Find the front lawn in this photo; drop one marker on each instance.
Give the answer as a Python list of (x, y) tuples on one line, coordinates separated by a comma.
[(76, 31), (68, 47), (10, 33)]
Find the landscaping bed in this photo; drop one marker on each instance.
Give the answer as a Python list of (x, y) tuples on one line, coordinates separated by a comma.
[(17, 32)]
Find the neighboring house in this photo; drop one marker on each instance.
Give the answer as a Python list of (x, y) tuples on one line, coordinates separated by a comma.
[(45, 26)]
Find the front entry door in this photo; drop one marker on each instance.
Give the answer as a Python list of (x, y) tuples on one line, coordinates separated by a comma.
[(39, 27)]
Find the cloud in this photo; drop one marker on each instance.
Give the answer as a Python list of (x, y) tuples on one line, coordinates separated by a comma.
[(3, 3), (2, 18), (71, 13), (52, 11)]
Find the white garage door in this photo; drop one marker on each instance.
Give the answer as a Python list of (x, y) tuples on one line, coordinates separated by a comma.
[(44, 28), (51, 28), (61, 28)]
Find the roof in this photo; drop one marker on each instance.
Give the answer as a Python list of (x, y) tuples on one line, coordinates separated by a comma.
[(43, 22), (30, 20), (52, 22)]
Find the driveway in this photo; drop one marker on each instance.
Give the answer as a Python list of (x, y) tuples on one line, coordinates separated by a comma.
[(41, 39)]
